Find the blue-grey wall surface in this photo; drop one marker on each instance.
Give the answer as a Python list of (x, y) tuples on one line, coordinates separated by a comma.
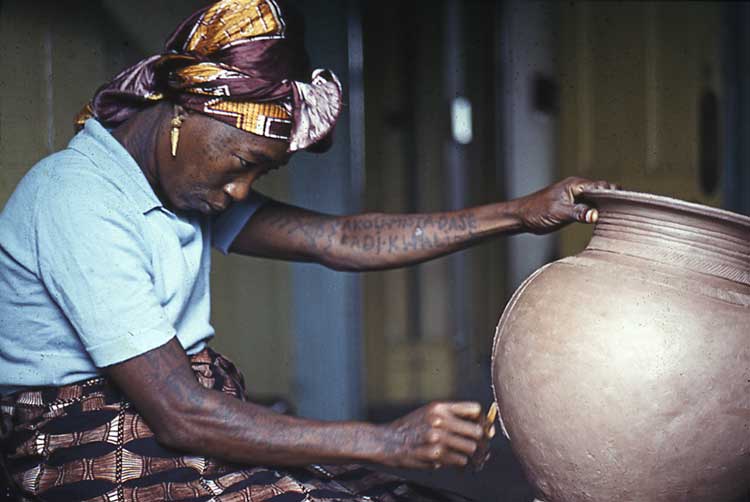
[(327, 332), (736, 60)]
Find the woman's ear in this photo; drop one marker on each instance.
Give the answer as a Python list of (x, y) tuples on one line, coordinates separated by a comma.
[(178, 117)]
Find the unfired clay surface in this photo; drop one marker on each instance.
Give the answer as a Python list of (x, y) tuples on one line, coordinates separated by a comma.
[(623, 373)]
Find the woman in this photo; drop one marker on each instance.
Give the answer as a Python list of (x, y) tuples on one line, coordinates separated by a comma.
[(110, 391)]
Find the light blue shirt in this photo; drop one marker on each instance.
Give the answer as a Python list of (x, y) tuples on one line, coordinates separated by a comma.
[(94, 270)]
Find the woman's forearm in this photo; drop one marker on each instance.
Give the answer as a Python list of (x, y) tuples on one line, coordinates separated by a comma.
[(220, 426), (187, 416), (374, 241), (370, 241)]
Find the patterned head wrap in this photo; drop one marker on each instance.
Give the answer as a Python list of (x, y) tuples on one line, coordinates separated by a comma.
[(239, 61)]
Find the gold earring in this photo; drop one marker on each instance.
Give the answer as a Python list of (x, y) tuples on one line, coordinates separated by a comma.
[(174, 133)]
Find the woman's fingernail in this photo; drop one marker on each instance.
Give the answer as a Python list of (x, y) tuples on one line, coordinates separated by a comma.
[(592, 216), (492, 432)]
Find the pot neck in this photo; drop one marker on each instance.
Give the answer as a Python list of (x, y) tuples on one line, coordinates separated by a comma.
[(672, 232)]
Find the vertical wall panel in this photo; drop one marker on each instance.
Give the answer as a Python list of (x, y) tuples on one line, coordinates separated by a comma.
[(57, 57), (529, 49), (411, 316), (326, 304), (736, 107), (632, 76)]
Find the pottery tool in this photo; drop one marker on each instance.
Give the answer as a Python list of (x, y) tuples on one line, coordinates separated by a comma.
[(491, 416), (480, 457)]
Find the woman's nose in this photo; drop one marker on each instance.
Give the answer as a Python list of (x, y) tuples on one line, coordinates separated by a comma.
[(238, 189)]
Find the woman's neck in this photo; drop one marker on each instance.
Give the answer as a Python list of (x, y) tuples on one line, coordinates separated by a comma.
[(140, 136)]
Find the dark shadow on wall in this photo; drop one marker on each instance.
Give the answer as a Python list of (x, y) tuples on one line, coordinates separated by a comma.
[(736, 61)]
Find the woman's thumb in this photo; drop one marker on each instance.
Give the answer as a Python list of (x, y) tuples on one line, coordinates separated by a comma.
[(585, 213)]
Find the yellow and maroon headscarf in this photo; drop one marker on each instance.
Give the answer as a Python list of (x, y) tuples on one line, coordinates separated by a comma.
[(242, 62)]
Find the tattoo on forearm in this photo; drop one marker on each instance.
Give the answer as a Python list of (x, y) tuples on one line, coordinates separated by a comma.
[(317, 234), (381, 233), (399, 234)]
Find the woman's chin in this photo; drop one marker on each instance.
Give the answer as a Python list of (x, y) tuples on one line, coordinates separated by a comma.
[(209, 209)]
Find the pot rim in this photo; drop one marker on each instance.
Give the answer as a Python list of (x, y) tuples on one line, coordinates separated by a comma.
[(596, 194)]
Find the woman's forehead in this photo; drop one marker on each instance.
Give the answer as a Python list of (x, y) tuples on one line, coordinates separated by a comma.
[(231, 140)]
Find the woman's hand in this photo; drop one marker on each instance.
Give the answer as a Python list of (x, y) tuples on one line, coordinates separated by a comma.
[(438, 435), (557, 205)]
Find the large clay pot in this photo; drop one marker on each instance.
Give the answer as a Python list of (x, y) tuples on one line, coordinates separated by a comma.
[(623, 373)]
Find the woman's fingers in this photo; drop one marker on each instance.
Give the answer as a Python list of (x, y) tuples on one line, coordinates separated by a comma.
[(557, 205), (465, 409), (602, 185), (466, 428), (456, 434), (456, 459), (437, 456), (580, 185), (440, 434), (579, 212), (585, 213), (454, 442)]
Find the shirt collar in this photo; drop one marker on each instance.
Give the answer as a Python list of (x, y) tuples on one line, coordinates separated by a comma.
[(96, 143)]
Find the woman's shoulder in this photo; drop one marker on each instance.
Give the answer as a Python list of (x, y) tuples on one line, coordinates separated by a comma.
[(67, 187)]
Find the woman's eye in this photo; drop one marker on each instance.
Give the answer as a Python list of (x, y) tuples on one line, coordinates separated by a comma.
[(246, 165)]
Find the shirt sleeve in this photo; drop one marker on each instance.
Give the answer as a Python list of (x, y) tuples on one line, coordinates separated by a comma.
[(93, 259), (228, 225)]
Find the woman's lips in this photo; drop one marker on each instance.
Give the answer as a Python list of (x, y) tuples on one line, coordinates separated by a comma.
[(214, 207)]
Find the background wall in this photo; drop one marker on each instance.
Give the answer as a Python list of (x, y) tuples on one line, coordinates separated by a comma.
[(637, 78), (428, 328), (53, 64)]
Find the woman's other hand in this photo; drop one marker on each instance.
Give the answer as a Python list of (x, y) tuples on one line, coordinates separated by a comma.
[(440, 434), (557, 205)]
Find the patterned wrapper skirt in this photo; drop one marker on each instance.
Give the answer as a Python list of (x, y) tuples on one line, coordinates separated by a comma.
[(85, 442)]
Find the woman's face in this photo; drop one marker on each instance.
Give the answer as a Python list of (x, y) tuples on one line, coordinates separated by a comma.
[(216, 164)]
